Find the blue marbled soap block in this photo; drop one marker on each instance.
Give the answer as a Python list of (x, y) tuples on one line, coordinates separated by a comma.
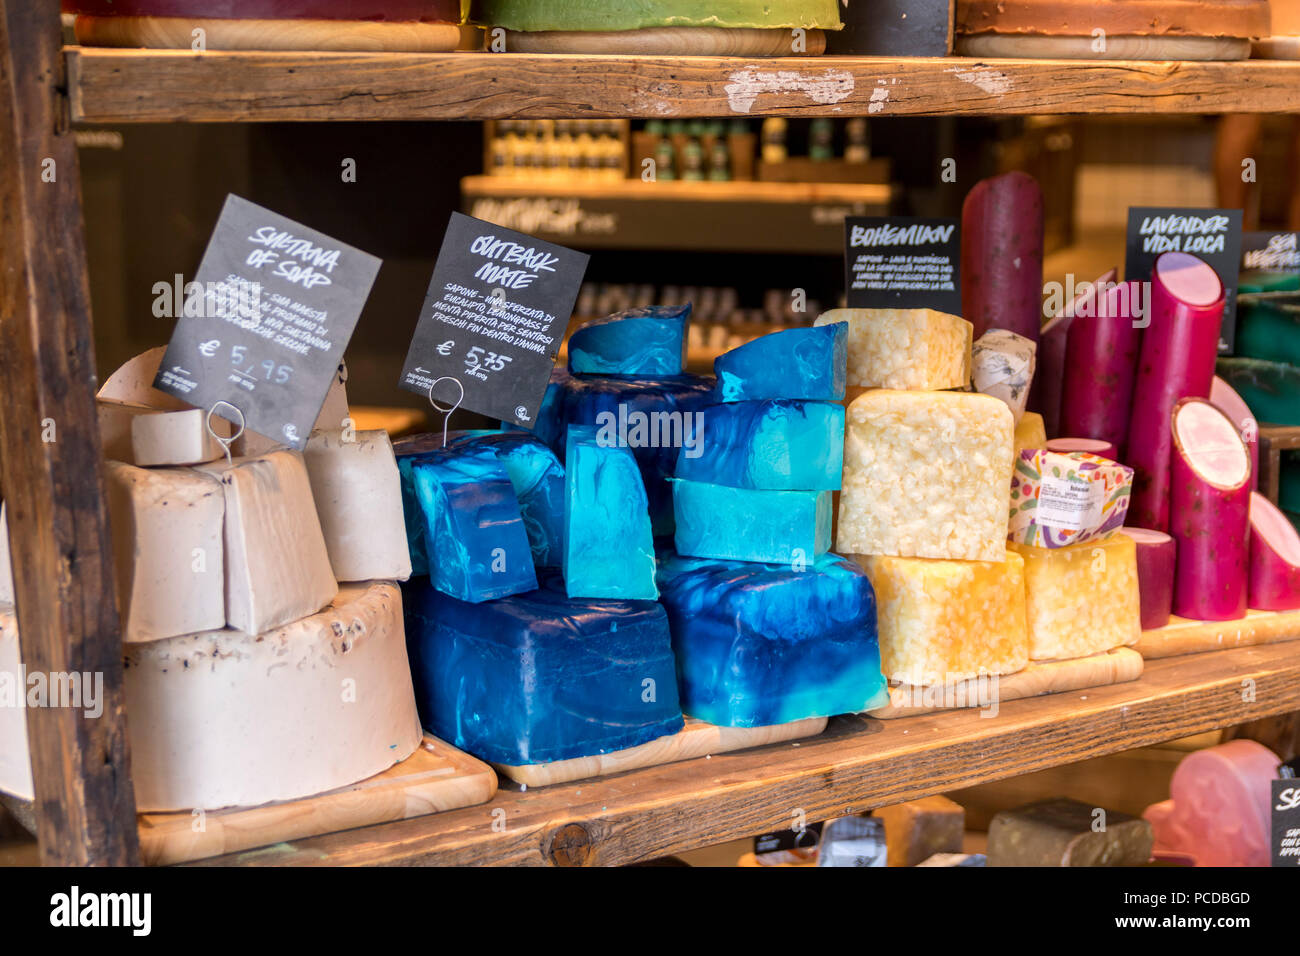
[(776, 444), (608, 547), (650, 341), (806, 363), (741, 524), (535, 474), (541, 676), (476, 543), (761, 644), (654, 417)]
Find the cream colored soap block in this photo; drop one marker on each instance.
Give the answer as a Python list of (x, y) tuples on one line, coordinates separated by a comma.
[(176, 438), (926, 474), (943, 621), (1030, 432), (358, 495), (1081, 600), (6, 564), (905, 348), (224, 719), (115, 427), (277, 566), (15, 758), (167, 547)]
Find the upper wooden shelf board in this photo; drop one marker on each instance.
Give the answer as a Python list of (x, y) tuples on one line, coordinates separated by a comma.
[(145, 86), (857, 764)]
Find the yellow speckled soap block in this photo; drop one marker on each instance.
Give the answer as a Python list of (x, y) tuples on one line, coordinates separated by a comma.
[(905, 348), (1030, 432), (926, 475), (1081, 600), (941, 621)]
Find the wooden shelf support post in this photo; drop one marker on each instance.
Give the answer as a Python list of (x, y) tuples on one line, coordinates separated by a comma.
[(50, 464)]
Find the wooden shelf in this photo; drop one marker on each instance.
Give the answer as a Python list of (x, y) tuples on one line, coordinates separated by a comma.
[(678, 190), (858, 763), (145, 86)]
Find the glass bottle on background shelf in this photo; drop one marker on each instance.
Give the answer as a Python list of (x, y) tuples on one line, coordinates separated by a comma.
[(775, 130), (821, 139), (693, 160), (719, 160), (665, 159), (857, 134)]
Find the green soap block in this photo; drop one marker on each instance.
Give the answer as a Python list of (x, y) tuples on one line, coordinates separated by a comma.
[(1271, 389), (536, 15), (1268, 327), (1256, 281), (1288, 484)]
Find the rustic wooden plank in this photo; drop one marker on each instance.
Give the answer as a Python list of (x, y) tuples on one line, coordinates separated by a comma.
[(50, 454), (679, 190), (858, 763), (125, 86)]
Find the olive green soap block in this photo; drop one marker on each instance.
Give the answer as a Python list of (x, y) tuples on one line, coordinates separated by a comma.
[(538, 15)]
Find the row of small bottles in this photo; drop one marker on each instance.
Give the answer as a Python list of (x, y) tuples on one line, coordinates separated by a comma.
[(555, 149), (821, 140), (697, 149)]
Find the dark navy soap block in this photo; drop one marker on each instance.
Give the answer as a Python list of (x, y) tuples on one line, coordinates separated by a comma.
[(805, 363), (763, 644), (476, 544), (780, 527), (775, 444), (650, 341), (540, 677), (609, 550)]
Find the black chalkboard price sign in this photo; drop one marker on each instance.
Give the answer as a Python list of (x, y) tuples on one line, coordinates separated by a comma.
[(1285, 811), (265, 321), (493, 319), (902, 262)]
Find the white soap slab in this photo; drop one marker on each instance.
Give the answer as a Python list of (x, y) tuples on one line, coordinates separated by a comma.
[(115, 420), (176, 438), (15, 758), (132, 383), (167, 546), (277, 567), (227, 719), (358, 495)]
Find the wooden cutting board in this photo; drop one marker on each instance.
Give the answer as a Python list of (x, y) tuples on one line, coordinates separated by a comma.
[(1117, 47), (665, 41), (177, 33), (1040, 677), (696, 739), (1183, 636), (436, 777)]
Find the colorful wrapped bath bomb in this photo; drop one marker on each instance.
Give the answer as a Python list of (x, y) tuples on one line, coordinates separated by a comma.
[(477, 547), (761, 644), (905, 348), (794, 363), (1002, 365), (780, 527), (650, 341), (777, 444), (1082, 599), (608, 548), (1064, 498), (946, 621), (539, 677)]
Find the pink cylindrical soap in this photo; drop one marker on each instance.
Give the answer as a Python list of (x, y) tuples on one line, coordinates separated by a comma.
[(1179, 349), (1002, 255), (1274, 558), (1225, 398), (1156, 553), (1101, 356), (1091, 446), (1210, 502), (1050, 377)]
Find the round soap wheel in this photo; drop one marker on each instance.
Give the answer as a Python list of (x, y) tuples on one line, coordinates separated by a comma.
[(1036, 46), (177, 33), (665, 41)]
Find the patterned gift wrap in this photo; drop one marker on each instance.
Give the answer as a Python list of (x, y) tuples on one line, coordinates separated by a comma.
[(1059, 499)]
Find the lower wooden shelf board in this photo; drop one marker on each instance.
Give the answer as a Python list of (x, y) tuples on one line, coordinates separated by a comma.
[(436, 777), (1183, 636), (856, 764)]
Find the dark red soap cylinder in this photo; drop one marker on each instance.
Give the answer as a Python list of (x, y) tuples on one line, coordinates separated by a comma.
[(1179, 349), (440, 11), (1274, 577), (1049, 379), (1211, 524), (1002, 255), (1156, 554), (1101, 357)]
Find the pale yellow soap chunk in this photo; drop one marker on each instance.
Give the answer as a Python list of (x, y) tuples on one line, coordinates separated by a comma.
[(926, 474), (905, 348), (942, 621), (1030, 432), (1082, 599)]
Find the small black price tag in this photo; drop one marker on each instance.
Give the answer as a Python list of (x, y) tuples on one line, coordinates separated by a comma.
[(1286, 822), (902, 262), (1270, 252), (1210, 234), (493, 319), (266, 320)]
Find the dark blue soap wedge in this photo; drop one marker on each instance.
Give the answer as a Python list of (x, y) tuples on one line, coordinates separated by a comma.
[(764, 644), (540, 677), (806, 363), (649, 341), (774, 444)]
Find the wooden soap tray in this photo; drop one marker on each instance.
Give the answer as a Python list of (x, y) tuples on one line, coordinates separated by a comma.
[(436, 777), (1040, 677), (696, 739), (1183, 636)]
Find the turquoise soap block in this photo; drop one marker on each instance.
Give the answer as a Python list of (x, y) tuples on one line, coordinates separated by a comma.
[(741, 524), (608, 546), (540, 677), (1270, 389), (476, 544), (645, 342), (761, 644), (806, 363), (775, 444)]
